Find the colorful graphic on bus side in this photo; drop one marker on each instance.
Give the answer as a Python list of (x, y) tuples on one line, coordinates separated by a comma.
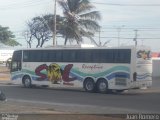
[(54, 73)]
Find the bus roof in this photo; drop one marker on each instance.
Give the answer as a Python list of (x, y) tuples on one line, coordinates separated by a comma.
[(75, 48)]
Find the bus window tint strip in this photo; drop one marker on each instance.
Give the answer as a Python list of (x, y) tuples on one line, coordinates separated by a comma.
[(79, 55)]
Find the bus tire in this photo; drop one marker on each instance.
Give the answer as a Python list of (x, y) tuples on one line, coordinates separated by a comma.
[(102, 86), (27, 82), (89, 85)]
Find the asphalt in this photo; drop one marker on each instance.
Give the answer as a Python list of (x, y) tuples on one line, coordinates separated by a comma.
[(26, 111), (30, 110), (154, 89), (16, 110)]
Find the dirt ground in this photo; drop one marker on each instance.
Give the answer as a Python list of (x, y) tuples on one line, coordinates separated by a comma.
[(20, 111), (4, 73)]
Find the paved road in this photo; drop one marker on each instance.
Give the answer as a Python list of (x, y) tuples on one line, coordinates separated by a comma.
[(83, 102)]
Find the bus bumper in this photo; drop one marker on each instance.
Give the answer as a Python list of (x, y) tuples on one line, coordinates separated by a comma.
[(141, 84)]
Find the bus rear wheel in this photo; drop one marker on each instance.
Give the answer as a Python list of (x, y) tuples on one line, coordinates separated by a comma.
[(27, 82), (89, 85), (102, 86)]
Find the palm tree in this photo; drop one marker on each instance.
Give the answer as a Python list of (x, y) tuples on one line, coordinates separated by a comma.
[(80, 20)]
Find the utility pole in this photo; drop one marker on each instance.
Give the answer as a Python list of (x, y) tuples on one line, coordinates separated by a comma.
[(100, 37), (142, 42), (119, 30), (54, 32), (135, 38)]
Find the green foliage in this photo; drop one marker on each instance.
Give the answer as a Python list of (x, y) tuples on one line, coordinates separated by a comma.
[(80, 20), (13, 43), (7, 37)]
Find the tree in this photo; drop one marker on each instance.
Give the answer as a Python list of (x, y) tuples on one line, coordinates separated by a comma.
[(28, 37), (40, 28), (80, 20), (7, 37)]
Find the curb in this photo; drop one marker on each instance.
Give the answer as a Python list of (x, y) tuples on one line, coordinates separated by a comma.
[(5, 82)]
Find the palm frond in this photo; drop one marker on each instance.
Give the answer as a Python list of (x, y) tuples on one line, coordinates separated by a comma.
[(90, 25), (84, 6), (64, 5), (88, 35), (91, 15), (80, 21)]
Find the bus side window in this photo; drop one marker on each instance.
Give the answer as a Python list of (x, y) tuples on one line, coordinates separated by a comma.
[(96, 56), (16, 61), (25, 56), (16, 66)]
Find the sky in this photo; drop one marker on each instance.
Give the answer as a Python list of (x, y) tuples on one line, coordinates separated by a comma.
[(121, 19)]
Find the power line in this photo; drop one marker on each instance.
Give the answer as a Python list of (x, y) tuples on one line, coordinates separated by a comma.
[(39, 2), (114, 4), (144, 28), (22, 5), (126, 37)]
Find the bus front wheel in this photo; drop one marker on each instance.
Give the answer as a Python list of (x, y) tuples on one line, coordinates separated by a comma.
[(102, 86), (27, 82), (89, 85)]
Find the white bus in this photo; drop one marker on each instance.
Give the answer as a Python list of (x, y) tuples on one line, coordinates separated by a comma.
[(94, 69)]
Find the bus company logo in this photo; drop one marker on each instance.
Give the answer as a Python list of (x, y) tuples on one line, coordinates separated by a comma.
[(144, 54), (91, 67), (54, 73)]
